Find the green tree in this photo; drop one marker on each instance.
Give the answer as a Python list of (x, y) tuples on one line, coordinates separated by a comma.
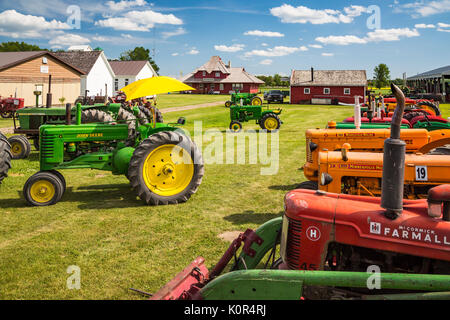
[(138, 53), (382, 76), (277, 80), (12, 46)]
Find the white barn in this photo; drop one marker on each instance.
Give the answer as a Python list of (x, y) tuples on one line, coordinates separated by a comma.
[(127, 72), (99, 76)]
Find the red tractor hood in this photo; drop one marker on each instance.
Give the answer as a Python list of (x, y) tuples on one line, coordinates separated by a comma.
[(360, 221)]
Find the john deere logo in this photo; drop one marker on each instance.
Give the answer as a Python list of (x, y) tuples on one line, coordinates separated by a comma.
[(313, 233)]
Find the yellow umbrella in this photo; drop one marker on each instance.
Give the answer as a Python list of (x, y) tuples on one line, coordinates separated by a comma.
[(152, 86)]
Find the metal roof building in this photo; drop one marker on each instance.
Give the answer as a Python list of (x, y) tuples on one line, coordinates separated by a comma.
[(436, 81)]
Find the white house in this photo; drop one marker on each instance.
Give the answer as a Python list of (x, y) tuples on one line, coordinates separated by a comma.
[(99, 76), (127, 72)]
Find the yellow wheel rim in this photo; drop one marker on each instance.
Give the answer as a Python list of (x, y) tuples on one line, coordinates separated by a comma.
[(425, 107), (42, 191), (271, 123), (235, 127), (256, 102), (16, 148), (168, 170)]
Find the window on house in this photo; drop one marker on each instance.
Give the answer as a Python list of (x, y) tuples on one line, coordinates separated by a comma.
[(204, 73), (217, 74), (116, 84), (326, 90), (221, 87), (126, 82), (346, 90), (307, 91), (237, 86), (212, 86), (200, 86)]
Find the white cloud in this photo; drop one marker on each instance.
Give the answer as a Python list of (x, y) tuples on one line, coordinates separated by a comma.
[(180, 31), (378, 35), (68, 40), (423, 9), (260, 33), (302, 14), (193, 51), (278, 51), (122, 5), (232, 48), (424, 26), (264, 44), (175, 54), (101, 38), (139, 20), (326, 54), (315, 46), (341, 40), (127, 36), (16, 25), (266, 62), (443, 25)]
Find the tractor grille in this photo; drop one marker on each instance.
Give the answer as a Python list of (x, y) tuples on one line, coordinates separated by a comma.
[(308, 151), (47, 146), (293, 244)]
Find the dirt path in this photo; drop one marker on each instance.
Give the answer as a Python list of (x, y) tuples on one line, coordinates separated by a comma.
[(10, 130), (195, 106)]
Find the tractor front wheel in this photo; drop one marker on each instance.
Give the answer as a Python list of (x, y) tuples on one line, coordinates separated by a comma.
[(256, 101), (5, 157), (308, 185), (166, 168), (44, 188), (20, 147), (235, 126), (270, 122), (228, 104)]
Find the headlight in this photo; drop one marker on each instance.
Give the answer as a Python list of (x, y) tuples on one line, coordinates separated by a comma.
[(312, 146), (325, 179), (284, 235)]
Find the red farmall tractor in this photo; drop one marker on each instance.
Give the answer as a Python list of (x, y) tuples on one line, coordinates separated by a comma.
[(332, 246), (8, 106)]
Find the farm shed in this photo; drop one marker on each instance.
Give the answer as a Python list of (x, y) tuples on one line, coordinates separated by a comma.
[(327, 86), (98, 76), (217, 77), (127, 72), (22, 73), (435, 82)]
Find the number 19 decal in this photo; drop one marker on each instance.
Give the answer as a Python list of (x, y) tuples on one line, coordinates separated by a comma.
[(421, 173)]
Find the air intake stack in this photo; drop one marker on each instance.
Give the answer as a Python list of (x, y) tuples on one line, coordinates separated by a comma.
[(394, 162)]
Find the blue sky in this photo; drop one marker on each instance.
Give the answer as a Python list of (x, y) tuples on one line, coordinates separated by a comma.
[(265, 37)]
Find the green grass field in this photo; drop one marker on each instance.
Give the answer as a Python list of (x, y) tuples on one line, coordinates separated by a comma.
[(180, 100), (100, 225)]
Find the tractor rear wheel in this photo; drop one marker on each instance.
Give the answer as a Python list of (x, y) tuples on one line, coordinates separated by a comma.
[(308, 185), (235, 126), (44, 188), (256, 101), (5, 157), (94, 116), (124, 116), (427, 105), (166, 168), (20, 147), (6, 114), (148, 113), (228, 104), (270, 122)]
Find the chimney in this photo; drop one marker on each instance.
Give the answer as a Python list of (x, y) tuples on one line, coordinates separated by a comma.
[(312, 74)]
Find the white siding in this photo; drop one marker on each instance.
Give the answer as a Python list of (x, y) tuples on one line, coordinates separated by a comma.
[(97, 78), (146, 72)]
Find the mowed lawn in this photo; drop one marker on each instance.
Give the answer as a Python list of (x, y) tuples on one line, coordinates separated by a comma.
[(118, 242), (179, 100)]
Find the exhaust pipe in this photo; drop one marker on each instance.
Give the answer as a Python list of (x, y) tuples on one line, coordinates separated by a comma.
[(394, 162)]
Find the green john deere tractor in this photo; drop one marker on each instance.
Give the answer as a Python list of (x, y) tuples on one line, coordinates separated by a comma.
[(162, 164), (28, 121), (244, 99), (267, 119)]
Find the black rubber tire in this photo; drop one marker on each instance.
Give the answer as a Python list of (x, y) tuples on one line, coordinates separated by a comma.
[(308, 185), (24, 144), (148, 113), (94, 116), (143, 150), (36, 143), (124, 116), (415, 113), (228, 104), (61, 177), (431, 105), (5, 157), (233, 123), (44, 175), (142, 118), (267, 116), (6, 114)]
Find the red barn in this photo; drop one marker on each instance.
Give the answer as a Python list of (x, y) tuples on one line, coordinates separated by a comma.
[(327, 86), (217, 77)]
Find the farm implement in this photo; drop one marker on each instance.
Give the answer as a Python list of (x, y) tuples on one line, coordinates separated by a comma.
[(9, 106), (162, 164), (244, 99), (267, 119), (331, 246)]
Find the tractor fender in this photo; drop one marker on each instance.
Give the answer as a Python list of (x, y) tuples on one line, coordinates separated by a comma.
[(269, 233), (433, 145)]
